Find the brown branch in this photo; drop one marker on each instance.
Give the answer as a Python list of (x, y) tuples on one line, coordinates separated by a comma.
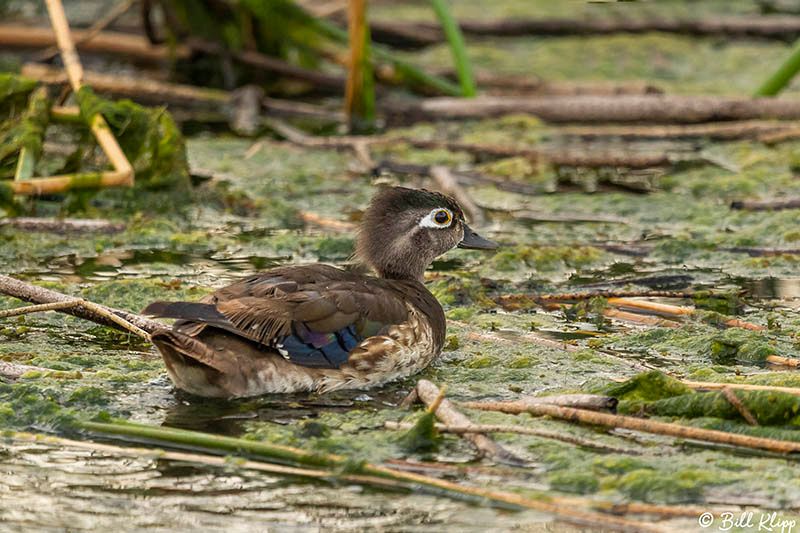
[(711, 385), (610, 109), (746, 129), (123, 44), (663, 428), (776, 137), (141, 89), (568, 158), (417, 34), (521, 430), (291, 108), (428, 393), (677, 311), (39, 295), (55, 306), (766, 205), (761, 252), (152, 91), (271, 64), (62, 225), (99, 25), (783, 361), (639, 319), (498, 83), (734, 400), (594, 402), (652, 307)]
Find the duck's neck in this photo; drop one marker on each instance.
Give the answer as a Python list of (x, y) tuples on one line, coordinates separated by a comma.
[(402, 274)]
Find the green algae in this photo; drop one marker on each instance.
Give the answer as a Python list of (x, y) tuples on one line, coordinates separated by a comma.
[(545, 258), (24, 131), (149, 137), (14, 92), (684, 486), (770, 408), (423, 436), (649, 386)]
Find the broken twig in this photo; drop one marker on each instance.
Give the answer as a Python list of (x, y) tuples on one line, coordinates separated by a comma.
[(87, 310), (734, 400), (589, 108), (594, 402), (428, 393)]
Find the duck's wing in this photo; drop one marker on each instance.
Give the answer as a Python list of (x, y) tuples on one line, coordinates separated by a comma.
[(312, 316)]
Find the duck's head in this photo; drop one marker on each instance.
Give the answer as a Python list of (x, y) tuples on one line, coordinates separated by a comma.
[(404, 230)]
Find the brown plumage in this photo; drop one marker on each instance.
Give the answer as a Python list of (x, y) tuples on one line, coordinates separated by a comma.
[(317, 327)]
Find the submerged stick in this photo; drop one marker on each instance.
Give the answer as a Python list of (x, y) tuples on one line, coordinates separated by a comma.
[(95, 313), (209, 460), (521, 430), (662, 428), (428, 393), (287, 453)]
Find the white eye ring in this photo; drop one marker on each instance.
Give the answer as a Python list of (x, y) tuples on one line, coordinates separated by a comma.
[(429, 222)]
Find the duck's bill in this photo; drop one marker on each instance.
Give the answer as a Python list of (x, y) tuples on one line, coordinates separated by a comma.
[(474, 241)]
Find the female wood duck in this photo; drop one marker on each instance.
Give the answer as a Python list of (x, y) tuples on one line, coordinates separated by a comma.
[(319, 328)]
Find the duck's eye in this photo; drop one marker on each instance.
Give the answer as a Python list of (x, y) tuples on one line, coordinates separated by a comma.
[(441, 217)]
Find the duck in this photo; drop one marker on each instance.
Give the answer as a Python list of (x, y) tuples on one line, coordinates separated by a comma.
[(319, 328)]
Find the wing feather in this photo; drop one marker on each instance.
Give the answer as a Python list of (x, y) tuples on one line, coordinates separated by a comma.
[(313, 316)]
